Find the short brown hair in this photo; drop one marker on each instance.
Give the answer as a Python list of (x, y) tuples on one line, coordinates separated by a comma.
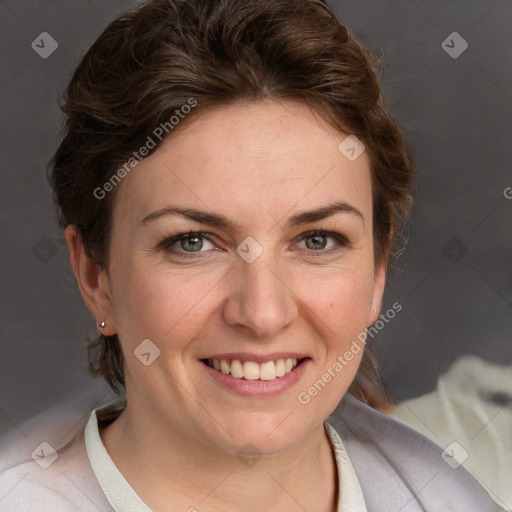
[(152, 60)]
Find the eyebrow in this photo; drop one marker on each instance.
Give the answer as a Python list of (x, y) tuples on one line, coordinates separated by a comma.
[(220, 221)]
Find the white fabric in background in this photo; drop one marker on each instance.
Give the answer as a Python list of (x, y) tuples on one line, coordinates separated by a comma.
[(472, 406)]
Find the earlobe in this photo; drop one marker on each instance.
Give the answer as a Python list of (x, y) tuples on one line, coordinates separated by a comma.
[(92, 281)]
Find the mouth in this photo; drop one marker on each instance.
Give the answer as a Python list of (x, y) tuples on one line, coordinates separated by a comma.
[(252, 370)]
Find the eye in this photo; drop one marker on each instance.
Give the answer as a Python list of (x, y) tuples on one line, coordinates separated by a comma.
[(187, 243), (322, 241)]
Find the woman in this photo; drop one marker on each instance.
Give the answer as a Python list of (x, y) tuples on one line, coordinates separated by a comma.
[(232, 187)]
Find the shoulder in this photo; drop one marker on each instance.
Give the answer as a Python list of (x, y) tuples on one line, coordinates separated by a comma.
[(42, 472), (400, 469)]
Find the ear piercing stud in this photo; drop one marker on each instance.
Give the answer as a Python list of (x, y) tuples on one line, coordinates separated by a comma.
[(102, 324)]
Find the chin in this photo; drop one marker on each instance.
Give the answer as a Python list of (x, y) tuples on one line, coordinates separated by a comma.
[(261, 433)]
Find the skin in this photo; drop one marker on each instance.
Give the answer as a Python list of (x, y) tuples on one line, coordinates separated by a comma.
[(257, 164)]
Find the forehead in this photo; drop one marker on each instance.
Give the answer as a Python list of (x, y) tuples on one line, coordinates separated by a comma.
[(263, 158)]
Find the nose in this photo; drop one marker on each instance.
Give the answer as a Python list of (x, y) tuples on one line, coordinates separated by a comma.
[(260, 302)]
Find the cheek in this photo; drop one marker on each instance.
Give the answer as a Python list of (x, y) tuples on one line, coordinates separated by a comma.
[(340, 311), (341, 302), (161, 305)]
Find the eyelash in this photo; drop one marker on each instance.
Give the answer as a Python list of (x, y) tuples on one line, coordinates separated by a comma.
[(340, 240)]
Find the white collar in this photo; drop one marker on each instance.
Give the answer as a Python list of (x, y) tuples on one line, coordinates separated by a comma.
[(123, 498), (117, 490), (351, 495)]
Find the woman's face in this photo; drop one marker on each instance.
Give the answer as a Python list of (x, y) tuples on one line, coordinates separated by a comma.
[(275, 262)]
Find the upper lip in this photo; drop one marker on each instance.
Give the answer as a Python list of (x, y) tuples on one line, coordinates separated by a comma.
[(257, 358)]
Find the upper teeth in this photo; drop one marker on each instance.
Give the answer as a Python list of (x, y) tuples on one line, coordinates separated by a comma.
[(251, 370)]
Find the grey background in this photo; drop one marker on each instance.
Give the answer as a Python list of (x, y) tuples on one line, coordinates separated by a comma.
[(455, 279)]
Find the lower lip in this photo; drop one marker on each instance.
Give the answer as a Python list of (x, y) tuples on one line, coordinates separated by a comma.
[(258, 387)]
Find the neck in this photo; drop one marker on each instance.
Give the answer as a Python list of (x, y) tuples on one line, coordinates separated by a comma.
[(166, 465)]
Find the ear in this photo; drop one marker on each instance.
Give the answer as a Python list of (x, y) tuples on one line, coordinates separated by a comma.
[(379, 282), (92, 280)]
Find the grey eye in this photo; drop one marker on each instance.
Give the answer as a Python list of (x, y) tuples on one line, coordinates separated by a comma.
[(192, 243), (187, 243), (316, 242)]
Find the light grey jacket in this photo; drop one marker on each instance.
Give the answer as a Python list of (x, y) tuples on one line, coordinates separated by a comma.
[(399, 470)]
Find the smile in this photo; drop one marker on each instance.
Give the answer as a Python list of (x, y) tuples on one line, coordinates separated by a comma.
[(251, 370)]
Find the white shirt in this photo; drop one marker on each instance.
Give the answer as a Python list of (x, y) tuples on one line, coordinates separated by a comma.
[(123, 498)]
